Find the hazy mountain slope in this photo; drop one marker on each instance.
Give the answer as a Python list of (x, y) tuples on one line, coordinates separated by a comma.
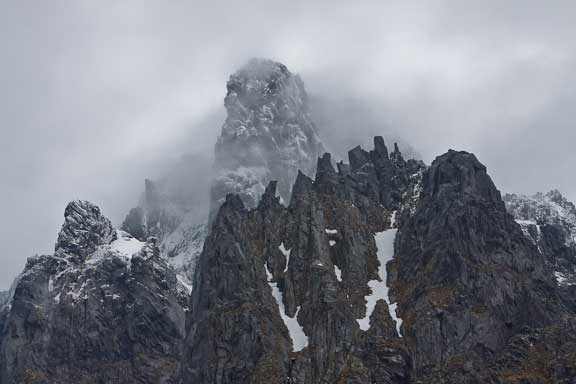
[(267, 135)]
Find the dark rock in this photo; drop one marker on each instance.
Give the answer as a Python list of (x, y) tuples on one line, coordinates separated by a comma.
[(357, 158), (465, 277), (84, 229), (104, 317), (318, 254), (380, 147)]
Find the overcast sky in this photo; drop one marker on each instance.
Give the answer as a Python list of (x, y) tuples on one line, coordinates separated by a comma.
[(97, 95)]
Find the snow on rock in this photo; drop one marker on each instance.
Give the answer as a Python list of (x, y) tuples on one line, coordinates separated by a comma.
[(286, 253), (531, 230), (393, 219), (338, 273), (126, 245), (540, 215), (331, 231), (538, 209), (184, 284), (268, 134), (385, 244), (299, 338), (332, 242)]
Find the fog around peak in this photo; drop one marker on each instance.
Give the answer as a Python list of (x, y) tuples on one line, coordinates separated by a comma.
[(98, 96)]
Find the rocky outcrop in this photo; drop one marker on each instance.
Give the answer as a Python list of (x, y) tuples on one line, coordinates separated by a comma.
[(549, 221), (294, 294), (465, 277), (84, 230), (105, 307), (466, 285), (268, 134)]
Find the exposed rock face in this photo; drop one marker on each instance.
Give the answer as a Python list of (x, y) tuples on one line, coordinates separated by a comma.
[(549, 220), (268, 134), (465, 277), (280, 291), (380, 271), (473, 298), (104, 308), (84, 230)]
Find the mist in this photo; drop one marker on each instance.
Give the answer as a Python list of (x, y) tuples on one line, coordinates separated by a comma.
[(97, 96)]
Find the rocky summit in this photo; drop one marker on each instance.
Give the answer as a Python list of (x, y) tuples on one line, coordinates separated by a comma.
[(299, 270), (268, 134)]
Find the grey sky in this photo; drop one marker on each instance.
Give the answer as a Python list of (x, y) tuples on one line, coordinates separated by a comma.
[(97, 95)]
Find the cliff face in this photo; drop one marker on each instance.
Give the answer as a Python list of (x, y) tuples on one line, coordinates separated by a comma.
[(470, 298), (465, 277), (549, 221), (297, 293)]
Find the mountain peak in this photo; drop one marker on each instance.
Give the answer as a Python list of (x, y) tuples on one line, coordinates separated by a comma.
[(460, 173), (84, 229), (268, 134)]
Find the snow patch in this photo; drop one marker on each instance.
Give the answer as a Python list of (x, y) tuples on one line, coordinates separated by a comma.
[(331, 231), (332, 243), (385, 244), (338, 273), (126, 245), (562, 279), (393, 219), (184, 283), (299, 338), (286, 253)]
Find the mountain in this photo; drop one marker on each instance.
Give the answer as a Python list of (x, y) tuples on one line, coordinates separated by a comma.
[(293, 269), (347, 284), (268, 135), (549, 221), (104, 307), (288, 293)]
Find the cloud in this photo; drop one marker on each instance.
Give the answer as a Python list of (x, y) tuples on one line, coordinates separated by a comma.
[(97, 96)]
